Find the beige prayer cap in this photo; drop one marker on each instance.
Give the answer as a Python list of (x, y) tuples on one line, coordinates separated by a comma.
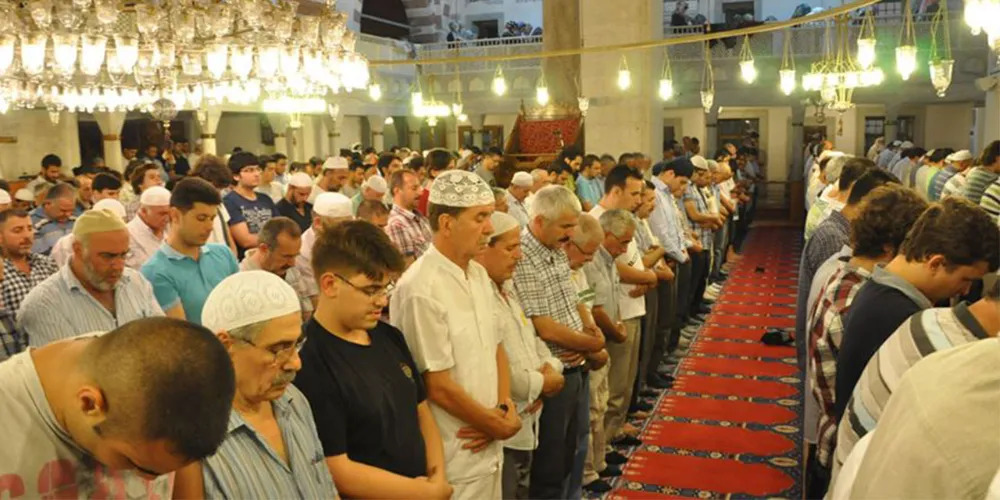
[(97, 221), (503, 222)]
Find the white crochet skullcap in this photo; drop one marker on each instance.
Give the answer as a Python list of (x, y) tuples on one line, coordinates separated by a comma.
[(333, 205), (246, 298), (156, 196), (461, 189)]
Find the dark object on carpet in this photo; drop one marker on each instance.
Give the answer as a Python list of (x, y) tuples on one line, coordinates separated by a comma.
[(776, 336), (759, 269)]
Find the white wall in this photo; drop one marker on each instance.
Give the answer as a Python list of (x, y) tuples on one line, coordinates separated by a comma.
[(240, 129), (525, 11), (349, 128), (948, 125), (686, 122)]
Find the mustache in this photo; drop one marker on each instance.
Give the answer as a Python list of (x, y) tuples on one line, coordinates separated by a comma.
[(564, 239), (285, 377)]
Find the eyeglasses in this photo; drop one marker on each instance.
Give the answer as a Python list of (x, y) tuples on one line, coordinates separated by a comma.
[(373, 292), (281, 354)]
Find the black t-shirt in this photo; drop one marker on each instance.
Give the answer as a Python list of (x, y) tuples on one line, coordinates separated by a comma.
[(364, 398), (876, 313), (286, 209)]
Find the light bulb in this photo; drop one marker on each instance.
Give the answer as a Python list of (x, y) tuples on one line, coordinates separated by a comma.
[(866, 52), (417, 99), (499, 84), (463, 117), (432, 121), (542, 95), (456, 108), (666, 89), (748, 71), (973, 16), (389, 120), (906, 60), (787, 83), (624, 79), (375, 91)]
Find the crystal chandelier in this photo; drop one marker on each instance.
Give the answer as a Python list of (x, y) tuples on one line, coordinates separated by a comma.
[(838, 74), (101, 55), (984, 15), (429, 107)]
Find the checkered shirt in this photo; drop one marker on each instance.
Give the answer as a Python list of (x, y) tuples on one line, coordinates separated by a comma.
[(16, 285), (12, 340), (542, 280), (824, 342), (410, 231), (693, 193)]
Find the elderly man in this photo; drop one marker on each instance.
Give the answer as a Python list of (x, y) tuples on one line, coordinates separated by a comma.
[(534, 372), (409, 230), (63, 249), (256, 317), (54, 219), (280, 244), (540, 178), (329, 209), (444, 306), (95, 292), (149, 227), (374, 212), (373, 189), (543, 284), (23, 269), (378, 434), (186, 268), (334, 175), (113, 414), (295, 205), (517, 192)]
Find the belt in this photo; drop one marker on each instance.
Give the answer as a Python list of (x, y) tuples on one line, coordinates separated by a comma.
[(575, 369)]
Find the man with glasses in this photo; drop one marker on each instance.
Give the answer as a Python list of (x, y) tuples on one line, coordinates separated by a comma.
[(271, 449), (95, 291), (368, 399), (249, 210)]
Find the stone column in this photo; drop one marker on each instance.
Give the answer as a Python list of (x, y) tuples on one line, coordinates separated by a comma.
[(891, 122), (415, 123), (8, 146), (797, 144), (563, 27), (331, 135), (991, 117), (111, 123), (279, 124), (476, 122), (69, 132), (209, 126), (376, 123), (709, 143), (630, 120)]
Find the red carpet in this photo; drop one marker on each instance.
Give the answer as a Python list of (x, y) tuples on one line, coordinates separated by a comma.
[(729, 427)]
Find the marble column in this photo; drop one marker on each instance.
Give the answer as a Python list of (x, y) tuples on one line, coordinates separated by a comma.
[(710, 141), (332, 135), (629, 120), (476, 122), (68, 130), (376, 123), (111, 123), (279, 124), (9, 168), (891, 122), (562, 21), (209, 121), (415, 123), (797, 144)]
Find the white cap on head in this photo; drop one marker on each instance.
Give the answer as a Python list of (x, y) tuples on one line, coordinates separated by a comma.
[(503, 222), (336, 163), (897, 143), (5, 197), (24, 194), (246, 298), (113, 205), (333, 205), (300, 180), (961, 155), (461, 189), (699, 162), (522, 179), (906, 145), (156, 196), (377, 184)]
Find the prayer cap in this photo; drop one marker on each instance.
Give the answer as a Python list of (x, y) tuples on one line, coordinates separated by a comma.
[(961, 155), (333, 205), (377, 184), (906, 145), (156, 196), (461, 189), (300, 180), (522, 179), (246, 298), (111, 204), (24, 194), (4, 196), (699, 162), (503, 222), (335, 163), (97, 221)]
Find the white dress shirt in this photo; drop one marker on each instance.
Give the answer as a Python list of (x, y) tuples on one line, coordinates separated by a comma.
[(143, 242), (449, 319), (63, 249)]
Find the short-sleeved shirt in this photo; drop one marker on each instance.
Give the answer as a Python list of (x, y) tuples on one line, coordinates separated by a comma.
[(629, 307), (39, 459), (410, 231), (60, 307), (449, 320), (602, 274), (542, 280), (245, 465), (937, 182), (179, 279), (16, 285), (956, 185), (254, 212), (927, 332), (590, 190), (693, 193), (287, 209), (364, 398), (976, 183), (990, 202), (49, 231), (292, 276)]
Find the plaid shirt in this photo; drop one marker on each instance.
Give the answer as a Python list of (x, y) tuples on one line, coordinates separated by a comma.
[(410, 231), (542, 281), (12, 340), (694, 193), (16, 285), (824, 346)]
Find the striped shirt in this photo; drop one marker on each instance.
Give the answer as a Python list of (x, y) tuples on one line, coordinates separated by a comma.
[(978, 180), (821, 210), (990, 202), (60, 307), (937, 182), (923, 334), (410, 231), (518, 210), (921, 177), (955, 185), (824, 347), (542, 281), (695, 194), (585, 293), (246, 466), (665, 223), (48, 231)]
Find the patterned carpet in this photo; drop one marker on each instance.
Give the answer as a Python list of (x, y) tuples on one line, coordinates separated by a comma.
[(729, 428)]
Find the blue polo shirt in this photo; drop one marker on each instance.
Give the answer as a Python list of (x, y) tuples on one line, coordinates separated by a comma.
[(589, 189), (48, 231), (177, 278)]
